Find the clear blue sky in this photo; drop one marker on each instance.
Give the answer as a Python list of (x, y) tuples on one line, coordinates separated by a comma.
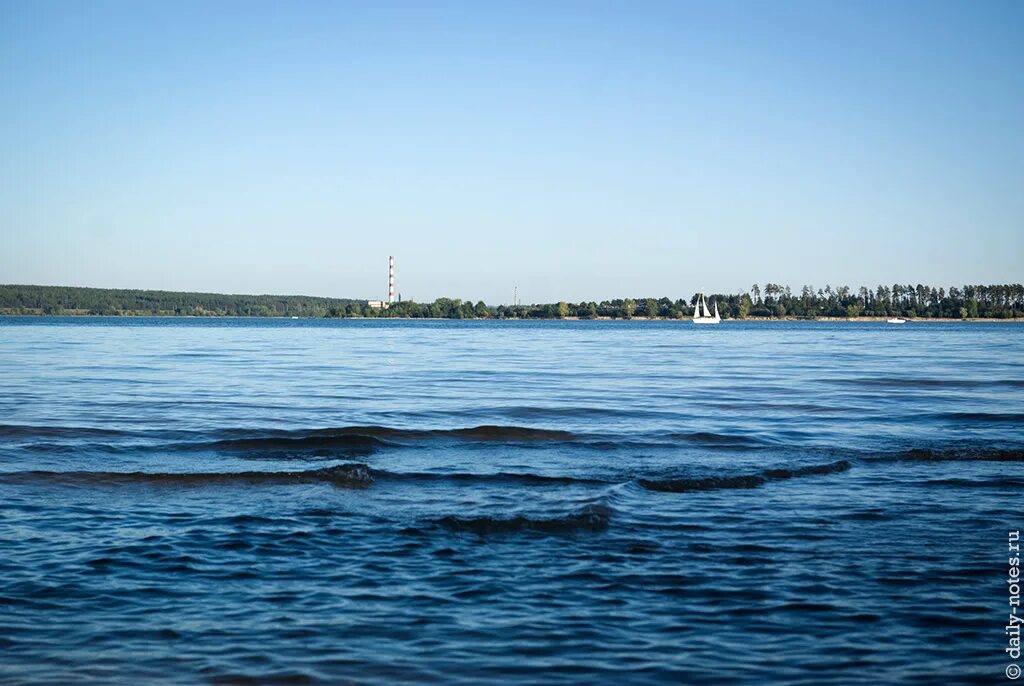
[(578, 150)]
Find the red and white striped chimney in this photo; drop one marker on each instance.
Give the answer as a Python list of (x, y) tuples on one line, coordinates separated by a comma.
[(391, 279)]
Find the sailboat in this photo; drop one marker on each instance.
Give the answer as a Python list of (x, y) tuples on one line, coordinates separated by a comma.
[(701, 313)]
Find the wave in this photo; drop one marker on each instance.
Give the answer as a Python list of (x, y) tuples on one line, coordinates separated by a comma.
[(509, 433), (359, 475), (708, 483), (902, 382), (1014, 417), (368, 438), (712, 483), (810, 470), (75, 447), (531, 412), (364, 439), (953, 455), (522, 478), (331, 437), (56, 431), (357, 440), (500, 434), (719, 440), (592, 518), (306, 441), (353, 475), (976, 483)]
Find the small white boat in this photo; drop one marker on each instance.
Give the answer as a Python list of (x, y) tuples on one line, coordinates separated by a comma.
[(896, 320), (701, 313)]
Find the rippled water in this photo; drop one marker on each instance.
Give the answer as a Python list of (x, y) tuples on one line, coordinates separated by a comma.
[(506, 502)]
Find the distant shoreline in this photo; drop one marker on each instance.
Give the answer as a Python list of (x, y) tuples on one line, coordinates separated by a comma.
[(998, 302), (852, 320)]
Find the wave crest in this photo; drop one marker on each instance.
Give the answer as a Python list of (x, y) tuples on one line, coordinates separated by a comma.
[(365, 439), (712, 483), (352, 475)]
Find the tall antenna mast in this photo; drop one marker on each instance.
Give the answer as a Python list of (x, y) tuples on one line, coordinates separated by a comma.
[(391, 279)]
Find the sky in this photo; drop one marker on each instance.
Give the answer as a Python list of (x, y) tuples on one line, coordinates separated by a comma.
[(575, 150)]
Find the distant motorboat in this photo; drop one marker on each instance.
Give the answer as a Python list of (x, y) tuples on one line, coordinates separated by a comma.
[(896, 320), (701, 313)]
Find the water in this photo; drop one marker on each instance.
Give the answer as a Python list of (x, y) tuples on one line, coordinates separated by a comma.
[(265, 501)]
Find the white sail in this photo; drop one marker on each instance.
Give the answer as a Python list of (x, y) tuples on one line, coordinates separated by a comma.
[(702, 313)]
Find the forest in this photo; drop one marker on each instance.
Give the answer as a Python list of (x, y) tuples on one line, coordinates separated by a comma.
[(54, 300), (770, 301)]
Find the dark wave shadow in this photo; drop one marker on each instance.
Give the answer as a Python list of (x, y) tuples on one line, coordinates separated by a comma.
[(713, 483), (592, 518), (345, 475)]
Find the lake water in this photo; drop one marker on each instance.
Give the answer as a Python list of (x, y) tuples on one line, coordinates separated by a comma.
[(300, 501)]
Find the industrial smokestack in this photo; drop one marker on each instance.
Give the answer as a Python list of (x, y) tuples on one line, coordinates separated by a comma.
[(391, 279)]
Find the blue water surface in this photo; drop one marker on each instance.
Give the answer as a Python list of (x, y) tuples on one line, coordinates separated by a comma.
[(389, 501)]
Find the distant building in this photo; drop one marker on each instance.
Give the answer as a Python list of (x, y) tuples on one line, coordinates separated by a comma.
[(391, 280), (385, 304)]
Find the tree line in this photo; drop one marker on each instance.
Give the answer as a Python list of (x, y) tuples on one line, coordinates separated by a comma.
[(54, 300), (768, 301)]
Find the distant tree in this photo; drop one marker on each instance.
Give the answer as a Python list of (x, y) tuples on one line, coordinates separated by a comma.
[(651, 307), (664, 305), (628, 308), (563, 309), (743, 308)]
